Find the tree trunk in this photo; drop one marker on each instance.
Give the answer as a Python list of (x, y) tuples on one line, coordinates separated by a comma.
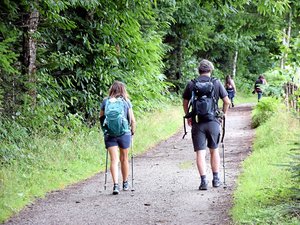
[(31, 21), (286, 39), (286, 42), (283, 43), (234, 65)]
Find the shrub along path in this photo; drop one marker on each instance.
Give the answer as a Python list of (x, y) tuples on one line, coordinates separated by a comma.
[(166, 187)]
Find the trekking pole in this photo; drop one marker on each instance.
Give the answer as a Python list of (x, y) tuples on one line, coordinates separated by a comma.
[(184, 128), (223, 147), (106, 162), (132, 188)]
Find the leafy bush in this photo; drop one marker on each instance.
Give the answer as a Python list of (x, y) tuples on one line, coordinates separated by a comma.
[(13, 139), (246, 84), (46, 120), (264, 110)]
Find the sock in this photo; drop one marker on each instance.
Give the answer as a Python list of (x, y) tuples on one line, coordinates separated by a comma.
[(215, 175), (203, 178)]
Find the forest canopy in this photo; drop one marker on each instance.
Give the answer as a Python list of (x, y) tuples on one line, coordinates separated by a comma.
[(58, 58)]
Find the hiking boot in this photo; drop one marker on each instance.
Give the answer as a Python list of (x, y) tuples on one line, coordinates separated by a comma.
[(216, 182), (203, 185), (125, 186), (116, 189)]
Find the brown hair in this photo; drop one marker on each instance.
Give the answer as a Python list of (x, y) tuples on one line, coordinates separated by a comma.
[(228, 79), (118, 89), (205, 66)]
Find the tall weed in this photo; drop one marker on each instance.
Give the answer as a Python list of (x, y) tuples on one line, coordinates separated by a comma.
[(294, 166), (264, 188), (265, 109)]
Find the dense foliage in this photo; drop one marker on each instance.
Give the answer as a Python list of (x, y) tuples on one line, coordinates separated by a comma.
[(72, 53)]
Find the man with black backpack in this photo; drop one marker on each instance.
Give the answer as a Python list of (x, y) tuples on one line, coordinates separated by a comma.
[(258, 86), (200, 104)]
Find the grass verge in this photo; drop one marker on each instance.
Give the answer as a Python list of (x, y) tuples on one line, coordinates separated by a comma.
[(245, 98), (263, 189), (54, 163)]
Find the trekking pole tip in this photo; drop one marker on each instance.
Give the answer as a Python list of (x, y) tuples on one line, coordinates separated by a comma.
[(132, 192)]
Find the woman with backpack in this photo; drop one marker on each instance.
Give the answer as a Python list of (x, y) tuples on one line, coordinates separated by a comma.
[(230, 88), (118, 123)]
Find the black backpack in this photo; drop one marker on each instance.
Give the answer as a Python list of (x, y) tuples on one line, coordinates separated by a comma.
[(203, 101), (257, 85)]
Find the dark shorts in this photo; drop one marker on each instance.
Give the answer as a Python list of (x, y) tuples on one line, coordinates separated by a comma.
[(121, 141), (206, 135), (231, 93)]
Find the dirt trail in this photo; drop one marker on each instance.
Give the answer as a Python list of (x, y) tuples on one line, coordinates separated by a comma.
[(166, 187)]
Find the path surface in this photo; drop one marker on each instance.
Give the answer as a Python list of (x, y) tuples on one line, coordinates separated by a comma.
[(166, 187)]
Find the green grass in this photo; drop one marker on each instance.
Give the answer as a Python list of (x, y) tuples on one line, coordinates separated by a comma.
[(186, 165), (263, 189), (245, 98), (156, 127), (53, 164)]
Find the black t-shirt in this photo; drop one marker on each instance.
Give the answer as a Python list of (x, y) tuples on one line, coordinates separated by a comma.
[(257, 85), (220, 91)]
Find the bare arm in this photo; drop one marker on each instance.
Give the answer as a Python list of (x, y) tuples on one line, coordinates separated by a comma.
[(132, 121), (101, 113), (226, 103), (185, 105)]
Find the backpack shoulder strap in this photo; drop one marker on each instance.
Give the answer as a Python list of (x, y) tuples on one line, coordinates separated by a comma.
[(213, 79), (194, 81), (106, 104), (126, 105)]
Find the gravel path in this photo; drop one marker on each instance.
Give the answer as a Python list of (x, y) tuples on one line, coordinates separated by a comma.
[(166, 187)]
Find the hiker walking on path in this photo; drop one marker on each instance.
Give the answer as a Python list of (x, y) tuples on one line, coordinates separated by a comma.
[(257, 86), (202, 94), (230, 88), (118, 123)]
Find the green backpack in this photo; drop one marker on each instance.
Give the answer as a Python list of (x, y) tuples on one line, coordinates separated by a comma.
[(115, 122)]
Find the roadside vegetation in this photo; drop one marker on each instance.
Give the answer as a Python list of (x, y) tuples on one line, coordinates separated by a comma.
[(45, 163), (268, 188)]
